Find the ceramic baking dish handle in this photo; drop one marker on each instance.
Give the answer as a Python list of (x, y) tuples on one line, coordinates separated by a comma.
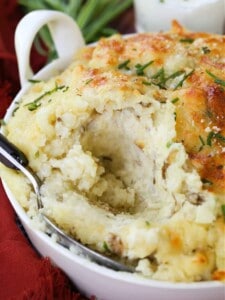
[(66, 35)]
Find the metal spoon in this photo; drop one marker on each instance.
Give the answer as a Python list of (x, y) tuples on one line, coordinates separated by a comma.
[(15, 159)]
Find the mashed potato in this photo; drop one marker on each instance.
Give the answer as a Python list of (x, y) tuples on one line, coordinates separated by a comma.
[(129, 142)]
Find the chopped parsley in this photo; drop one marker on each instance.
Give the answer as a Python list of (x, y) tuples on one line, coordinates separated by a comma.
[(216, 79), (140, 68)]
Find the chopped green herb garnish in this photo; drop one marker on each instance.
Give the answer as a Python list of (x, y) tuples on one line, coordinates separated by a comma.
[(215, 135), (37, 153), (206, 181), (140, 68), (2, 122), (14, 111), (187, 40), (206, 50), (216, 79), (175, 100), (88, 81), (175, 74), (34, 80), (146, 82), (180, 84), (202, 142), (209, 114), (168, 144), (159, 78), (33, 105), (209, 138), (124, 65), (175, 116), (223, 210), (160, 74), (108, 158), (162, 1), (147, 223), (219, 137), (106, 247), (36, 103)]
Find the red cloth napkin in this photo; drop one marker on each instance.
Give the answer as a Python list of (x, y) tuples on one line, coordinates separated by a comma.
[(23, 273)]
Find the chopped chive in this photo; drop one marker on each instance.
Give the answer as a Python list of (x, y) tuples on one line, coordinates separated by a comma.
[(215, 135), (175, 116), (147, 223), (33, 105), (15, 110), (216, 79), (206, 181), (202, 142), (175, 74), (209, 138), (140, 68), (106, 247), (160, 75), (124, 65), (2, 122), (88, 81), (187, 40), (180, 84), (206, 50), (168, 144), (37, 154), (175, 100), (146, 82), (36, 103), (209, 114), (219, 137), (223, 210), (34, 80)]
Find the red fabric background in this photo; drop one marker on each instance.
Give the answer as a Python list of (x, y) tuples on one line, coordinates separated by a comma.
[(23, 274)]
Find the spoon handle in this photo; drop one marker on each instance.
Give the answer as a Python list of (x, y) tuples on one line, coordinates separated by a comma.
[(13, 151)]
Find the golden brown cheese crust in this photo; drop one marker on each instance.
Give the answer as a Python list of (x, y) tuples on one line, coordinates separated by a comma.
[(200, 110)]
